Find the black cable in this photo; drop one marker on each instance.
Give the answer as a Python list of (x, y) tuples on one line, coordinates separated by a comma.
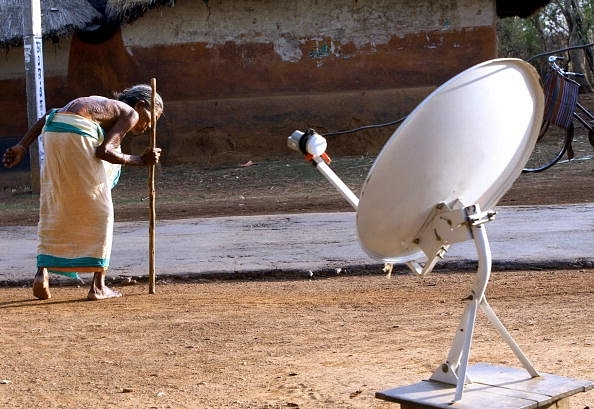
[(575, 47), (362, 128)]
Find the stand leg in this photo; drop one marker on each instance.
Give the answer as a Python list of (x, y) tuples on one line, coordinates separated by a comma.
[(493, 319), (453, 371)]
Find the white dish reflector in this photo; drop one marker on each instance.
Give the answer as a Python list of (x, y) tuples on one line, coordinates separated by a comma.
[(466, 142)]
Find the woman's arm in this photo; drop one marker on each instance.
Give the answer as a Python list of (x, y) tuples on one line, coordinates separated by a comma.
[(124, 119), (15, 154), (109, 151)]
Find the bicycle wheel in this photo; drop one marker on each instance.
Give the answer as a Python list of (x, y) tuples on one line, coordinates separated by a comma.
[(550, 146)]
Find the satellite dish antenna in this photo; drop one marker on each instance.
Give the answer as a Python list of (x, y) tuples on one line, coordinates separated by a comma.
[(456, 154), (465, 144)]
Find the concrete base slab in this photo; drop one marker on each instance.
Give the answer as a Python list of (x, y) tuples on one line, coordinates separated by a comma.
[(492, 387)]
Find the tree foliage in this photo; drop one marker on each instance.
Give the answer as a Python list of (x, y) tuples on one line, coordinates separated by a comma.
[(563, 27)]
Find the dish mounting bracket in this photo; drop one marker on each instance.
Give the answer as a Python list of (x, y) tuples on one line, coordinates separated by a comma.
[(447, 224)]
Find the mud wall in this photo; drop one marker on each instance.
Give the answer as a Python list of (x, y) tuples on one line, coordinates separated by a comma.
[(238, 77)]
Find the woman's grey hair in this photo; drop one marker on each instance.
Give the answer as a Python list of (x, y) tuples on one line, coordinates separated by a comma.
[(140, 92)]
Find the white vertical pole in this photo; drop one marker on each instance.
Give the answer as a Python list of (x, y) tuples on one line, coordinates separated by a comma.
[(34, 78)]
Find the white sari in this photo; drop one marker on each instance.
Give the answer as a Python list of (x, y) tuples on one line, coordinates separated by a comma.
[(76, 211)]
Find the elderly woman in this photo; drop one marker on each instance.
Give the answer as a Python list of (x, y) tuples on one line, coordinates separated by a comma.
[(82, 160)]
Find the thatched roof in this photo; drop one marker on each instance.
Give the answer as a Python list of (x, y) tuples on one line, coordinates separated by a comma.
[(58, 17), (126, 10), (61, 17)]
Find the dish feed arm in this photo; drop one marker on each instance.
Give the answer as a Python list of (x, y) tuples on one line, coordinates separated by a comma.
[(313, 146)]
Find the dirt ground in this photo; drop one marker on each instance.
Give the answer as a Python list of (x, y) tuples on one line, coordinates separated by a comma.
[(280, 343), (273, 344)]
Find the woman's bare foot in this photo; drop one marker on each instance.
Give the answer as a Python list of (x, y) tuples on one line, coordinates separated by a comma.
[(99, 291), (103, 294), (41, 284)]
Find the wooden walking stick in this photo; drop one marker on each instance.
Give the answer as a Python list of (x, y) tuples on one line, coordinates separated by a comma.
[(151, 187)]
